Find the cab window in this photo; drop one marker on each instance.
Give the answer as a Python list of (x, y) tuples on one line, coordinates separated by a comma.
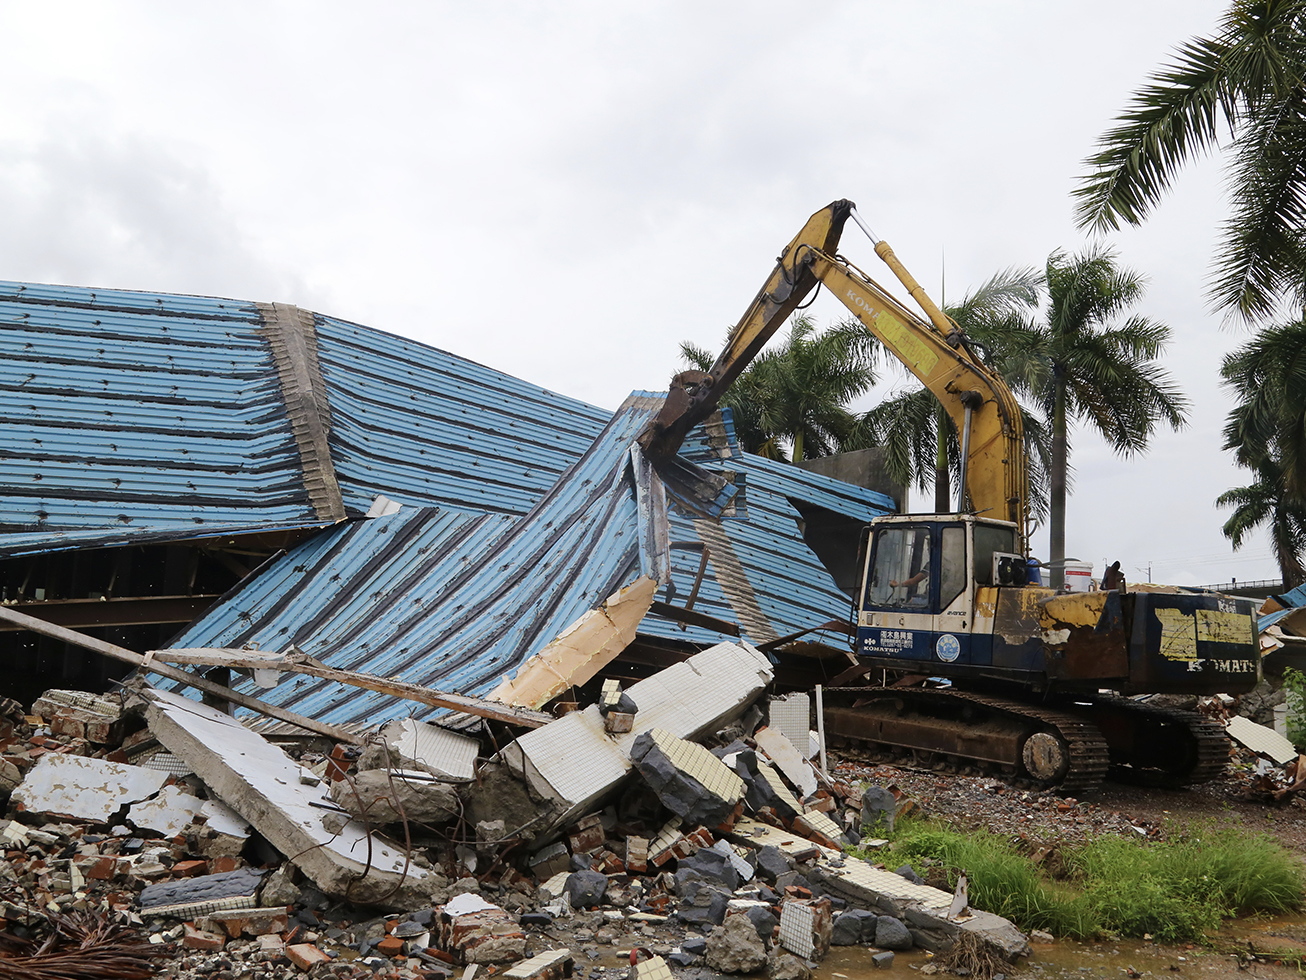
[(952, 565), (900, 572), (989, 539)]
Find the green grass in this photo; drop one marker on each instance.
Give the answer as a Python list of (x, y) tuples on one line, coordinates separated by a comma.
[(1175, 890)]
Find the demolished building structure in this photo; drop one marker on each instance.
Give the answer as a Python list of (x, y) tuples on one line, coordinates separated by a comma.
[(195, 472)]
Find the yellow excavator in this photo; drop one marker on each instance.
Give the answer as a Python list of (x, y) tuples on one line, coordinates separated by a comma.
[(1038, 681)]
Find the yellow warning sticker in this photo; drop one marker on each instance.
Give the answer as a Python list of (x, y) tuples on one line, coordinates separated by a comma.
[(1178, 634), (1214, 626)]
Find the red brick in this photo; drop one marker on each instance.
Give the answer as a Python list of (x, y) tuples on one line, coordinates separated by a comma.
[(306, 955), (224, 864), (190, 869), (103, 869), (209, 941), (390, 946), (727, 825)]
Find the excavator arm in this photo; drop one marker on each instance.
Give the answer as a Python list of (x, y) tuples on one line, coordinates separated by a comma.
[(994, 478)]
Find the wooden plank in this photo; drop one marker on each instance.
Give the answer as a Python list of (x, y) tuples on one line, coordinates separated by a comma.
[(116, 652), (298, 662)]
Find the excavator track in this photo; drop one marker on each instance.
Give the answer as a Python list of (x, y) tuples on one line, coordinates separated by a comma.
[(1052, 748), (1152, 745)]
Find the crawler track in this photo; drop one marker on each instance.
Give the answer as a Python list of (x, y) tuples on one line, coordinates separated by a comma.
[(990, 731), (1156, 746)]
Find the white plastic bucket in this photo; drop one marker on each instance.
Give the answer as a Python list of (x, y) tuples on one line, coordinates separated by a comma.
[(1079, 576)]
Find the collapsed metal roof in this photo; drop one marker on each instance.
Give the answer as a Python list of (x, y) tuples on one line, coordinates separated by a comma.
[(133, 416), (142, 416), (440, 598)]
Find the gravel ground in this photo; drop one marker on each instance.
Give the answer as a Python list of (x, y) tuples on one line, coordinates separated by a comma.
[(982, 801)]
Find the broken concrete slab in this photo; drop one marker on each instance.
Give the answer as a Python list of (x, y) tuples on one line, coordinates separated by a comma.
[(84, 788), (690, 781), (575, 762), (582, 649), (169, 813), (1261, 740), (789, 760), (261, 783), (862, 884)]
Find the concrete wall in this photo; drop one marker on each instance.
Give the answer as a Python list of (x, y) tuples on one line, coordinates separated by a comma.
[(863, 468)]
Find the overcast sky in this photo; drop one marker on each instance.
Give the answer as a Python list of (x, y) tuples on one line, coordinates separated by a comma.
[(566, 191)]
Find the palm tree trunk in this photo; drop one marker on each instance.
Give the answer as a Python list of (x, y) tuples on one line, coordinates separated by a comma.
[(942, 481), (1057, 481), (798, 446)]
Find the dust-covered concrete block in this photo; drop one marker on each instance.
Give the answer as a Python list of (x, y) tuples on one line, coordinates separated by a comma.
[(690, 781)]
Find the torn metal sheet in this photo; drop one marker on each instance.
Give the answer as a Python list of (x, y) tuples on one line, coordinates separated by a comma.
[(87, 789), (651, 505), (1262, 740), (262, 784), (575, 762), (582, 649)]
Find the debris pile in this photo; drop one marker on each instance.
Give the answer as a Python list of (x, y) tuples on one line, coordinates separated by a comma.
[(689, 833)]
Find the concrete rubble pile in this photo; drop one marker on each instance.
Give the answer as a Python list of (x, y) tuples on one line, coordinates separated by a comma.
[(689, 833)]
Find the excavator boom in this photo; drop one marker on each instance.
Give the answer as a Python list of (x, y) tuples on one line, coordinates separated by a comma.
[(934, 350)]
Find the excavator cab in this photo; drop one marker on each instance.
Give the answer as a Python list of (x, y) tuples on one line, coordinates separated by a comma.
[(922, 579)]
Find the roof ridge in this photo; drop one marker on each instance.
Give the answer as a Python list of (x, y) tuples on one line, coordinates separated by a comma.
[(292, 335)]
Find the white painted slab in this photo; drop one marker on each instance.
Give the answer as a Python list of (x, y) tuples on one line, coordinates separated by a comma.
[(1262, 740), (262, 783), (88, 789), (573, 760), (787, 758), (168, 813)]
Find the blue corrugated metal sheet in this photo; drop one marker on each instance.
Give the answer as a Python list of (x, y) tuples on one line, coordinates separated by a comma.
[(141, 416), (775, 574), (138, 413), (422, 426), (148, 416), (439, 598)]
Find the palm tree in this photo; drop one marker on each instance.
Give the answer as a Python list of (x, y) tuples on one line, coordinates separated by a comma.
[(797, 393), (1247, 76), (1267, 432), (1267, 501), (1268, 377), (1083, 363)]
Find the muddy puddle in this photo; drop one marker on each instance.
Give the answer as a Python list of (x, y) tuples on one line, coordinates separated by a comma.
[(1129, 958)]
